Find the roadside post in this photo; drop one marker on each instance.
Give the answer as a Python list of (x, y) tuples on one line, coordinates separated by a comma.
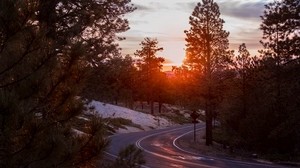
[(194, 117)]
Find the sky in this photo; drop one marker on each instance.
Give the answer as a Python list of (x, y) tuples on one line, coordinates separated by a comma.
[(166, 21)]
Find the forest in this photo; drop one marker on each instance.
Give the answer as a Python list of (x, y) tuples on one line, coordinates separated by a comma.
[(54, 54)]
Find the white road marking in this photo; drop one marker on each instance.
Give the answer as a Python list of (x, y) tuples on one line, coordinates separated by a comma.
[(213, 158), (138, 144)]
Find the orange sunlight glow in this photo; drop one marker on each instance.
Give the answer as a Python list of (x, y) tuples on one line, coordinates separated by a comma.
[(169, 66), (172, 61)]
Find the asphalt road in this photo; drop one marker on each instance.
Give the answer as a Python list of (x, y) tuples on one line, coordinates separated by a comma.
[(161, 151)]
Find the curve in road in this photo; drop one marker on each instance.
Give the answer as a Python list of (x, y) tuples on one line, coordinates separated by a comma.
[(161, 150)]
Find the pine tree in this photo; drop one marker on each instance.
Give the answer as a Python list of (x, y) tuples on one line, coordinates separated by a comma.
[(149, 66), (243, 63), (280, 26), (281, 54), (113, 81), (207, 46), (281, 38), (46, 48)]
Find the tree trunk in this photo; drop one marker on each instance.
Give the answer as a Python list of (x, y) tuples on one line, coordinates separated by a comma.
[(244, 96), (159, 106), (208, 114), (152, 106), (159, 103), (116, 100), (142, 104), (208, 73)]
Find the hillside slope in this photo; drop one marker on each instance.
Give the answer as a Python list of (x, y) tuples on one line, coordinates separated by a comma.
[(144, 121)]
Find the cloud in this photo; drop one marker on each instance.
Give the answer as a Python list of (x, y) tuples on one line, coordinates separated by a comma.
[(141, 10), (170, 38), (186, 6), (233, 8), (150, 7), (158, 5), (243, 10), (168, 61), (138, 22), (143, 7), (136, 39), (133, 39), (250, 45)]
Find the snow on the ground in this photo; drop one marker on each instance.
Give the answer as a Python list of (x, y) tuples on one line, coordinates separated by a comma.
[(77, 132), (146, 121), (83, 118), (128, 129)]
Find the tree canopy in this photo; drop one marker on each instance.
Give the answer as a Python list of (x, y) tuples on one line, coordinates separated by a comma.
[(46, 48), (149, 66)]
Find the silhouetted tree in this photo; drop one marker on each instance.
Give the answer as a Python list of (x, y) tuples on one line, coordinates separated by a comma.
[(150, 67), (46, 48), (280, 26), (185, 87), (243, 63), (113, 81), (161, 90), (207, 46), (281, 40), (123, 73), (272, 88)]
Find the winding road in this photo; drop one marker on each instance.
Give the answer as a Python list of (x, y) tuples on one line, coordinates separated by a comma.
[(161, 150)]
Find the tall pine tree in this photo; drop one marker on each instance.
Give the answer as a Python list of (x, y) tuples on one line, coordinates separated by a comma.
[(281, 39), (243, 63), (207, 46), (150, 66), (280, 26)]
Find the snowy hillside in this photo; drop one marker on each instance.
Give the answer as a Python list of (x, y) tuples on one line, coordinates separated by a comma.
[(146, 121)]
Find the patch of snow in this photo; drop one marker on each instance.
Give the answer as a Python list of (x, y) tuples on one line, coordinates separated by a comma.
[(127, 130), (187, 115), (77, 132), (146, 121), (172, 107), (38, 114), (202, 112), (83, 118)]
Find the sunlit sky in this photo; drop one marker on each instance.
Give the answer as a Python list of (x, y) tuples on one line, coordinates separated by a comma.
[(166, 20)]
